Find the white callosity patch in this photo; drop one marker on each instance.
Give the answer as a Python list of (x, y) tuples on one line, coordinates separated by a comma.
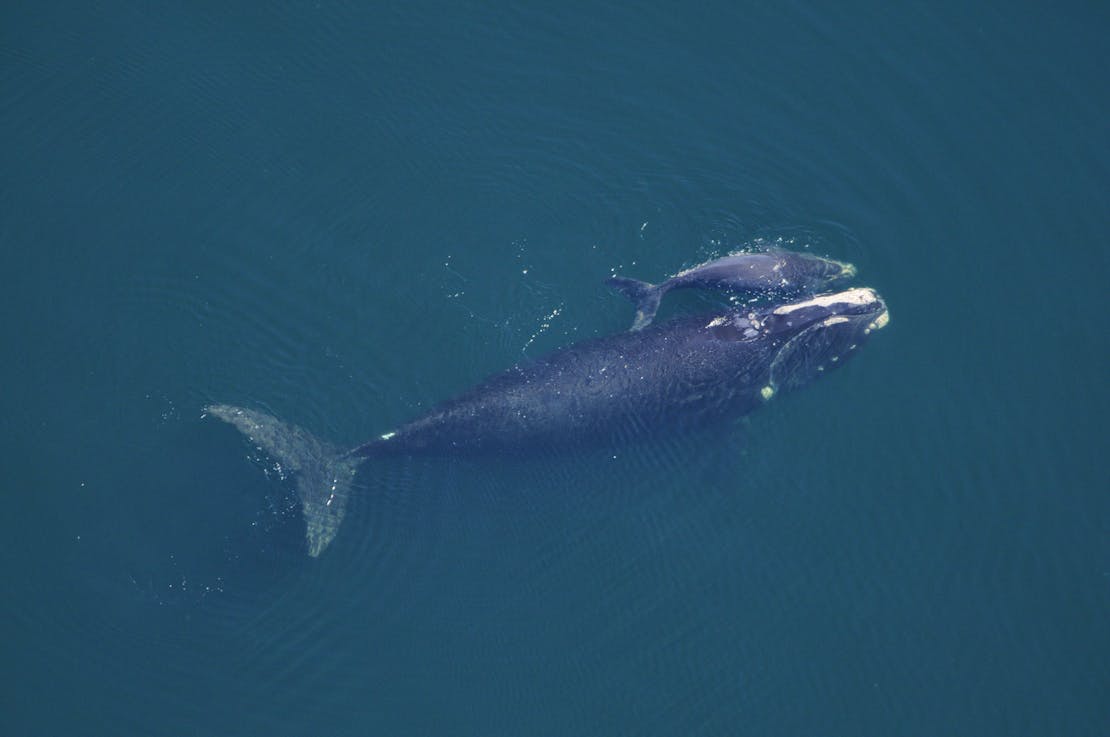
[(859, 296), (879, 323)]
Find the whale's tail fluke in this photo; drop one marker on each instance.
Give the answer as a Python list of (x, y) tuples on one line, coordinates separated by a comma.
[(645, 296), (322, 474)]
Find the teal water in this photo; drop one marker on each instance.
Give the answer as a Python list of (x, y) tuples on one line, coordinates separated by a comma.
[(340, 213)]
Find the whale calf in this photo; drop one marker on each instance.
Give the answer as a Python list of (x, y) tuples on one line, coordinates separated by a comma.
[(776, 271), (676, 376)]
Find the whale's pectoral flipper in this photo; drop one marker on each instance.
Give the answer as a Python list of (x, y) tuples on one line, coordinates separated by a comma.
[(645, 296), (322, 474)]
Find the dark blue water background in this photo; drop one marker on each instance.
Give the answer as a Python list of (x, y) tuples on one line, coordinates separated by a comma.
[(343, 212)]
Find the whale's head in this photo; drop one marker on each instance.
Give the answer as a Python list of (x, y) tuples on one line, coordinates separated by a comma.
[(807, 271), (813, 336)]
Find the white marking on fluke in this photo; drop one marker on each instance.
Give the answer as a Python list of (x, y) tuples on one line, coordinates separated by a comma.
[(388, 435)]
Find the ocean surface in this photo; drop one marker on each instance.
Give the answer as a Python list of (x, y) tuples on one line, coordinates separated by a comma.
[(341, 213)]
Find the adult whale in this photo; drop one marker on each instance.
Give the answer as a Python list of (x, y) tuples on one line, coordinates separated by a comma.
[(673, 377)]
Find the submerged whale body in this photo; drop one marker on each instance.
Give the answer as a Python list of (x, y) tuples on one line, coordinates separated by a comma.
[(776, 272), (678, 375)]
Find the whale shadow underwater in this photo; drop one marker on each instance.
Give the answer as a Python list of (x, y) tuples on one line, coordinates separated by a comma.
[(671, 377)]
